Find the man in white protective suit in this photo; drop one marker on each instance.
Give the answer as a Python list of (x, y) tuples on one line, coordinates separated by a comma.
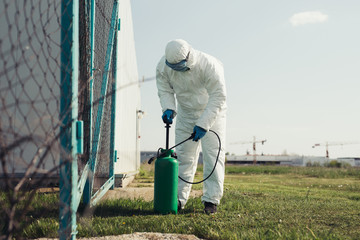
[(197, 81)]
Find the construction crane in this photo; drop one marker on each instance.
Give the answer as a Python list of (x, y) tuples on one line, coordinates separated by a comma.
[(254, 142), (327, 144)]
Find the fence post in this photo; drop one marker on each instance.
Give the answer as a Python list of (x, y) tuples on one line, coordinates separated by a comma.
[(68, 116), (87, 189), (113, 107)]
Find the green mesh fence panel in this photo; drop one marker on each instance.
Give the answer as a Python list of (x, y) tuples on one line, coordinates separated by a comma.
[(103, 13)]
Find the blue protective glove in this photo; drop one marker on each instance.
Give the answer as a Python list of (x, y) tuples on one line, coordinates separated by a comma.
[(168, 116), (199, 133)]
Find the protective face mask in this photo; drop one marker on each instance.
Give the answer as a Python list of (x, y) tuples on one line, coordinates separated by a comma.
[(180, 66)]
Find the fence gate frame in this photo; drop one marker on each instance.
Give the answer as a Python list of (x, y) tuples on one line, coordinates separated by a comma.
[(72, 188)]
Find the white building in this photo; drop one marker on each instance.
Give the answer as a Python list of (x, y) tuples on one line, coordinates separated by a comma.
[(128, 105), (30, 96)]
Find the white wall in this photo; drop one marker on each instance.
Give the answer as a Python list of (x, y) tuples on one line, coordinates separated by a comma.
[(128, 95)]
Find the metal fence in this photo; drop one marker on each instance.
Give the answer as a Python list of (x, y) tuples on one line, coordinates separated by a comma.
[(57, 101)]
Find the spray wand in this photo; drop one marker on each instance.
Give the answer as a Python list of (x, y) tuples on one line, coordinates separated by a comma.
[(167, 145), (165, 153)]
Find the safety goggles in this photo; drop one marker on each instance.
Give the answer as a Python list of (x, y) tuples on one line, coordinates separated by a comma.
[(180, 66)]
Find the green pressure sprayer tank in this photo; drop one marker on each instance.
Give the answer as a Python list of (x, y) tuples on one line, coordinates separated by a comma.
[(166, 183), (166, 176)]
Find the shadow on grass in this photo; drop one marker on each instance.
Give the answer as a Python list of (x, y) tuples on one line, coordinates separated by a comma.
[(114, 208), (44, 212), (191, 211), (111, 211)]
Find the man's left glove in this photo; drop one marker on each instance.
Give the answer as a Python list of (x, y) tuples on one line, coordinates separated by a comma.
[(168, 116), (199, 133)]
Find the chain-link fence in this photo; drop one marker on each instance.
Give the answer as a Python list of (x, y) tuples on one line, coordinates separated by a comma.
[(102, 28), (30, 102), (32, 95)]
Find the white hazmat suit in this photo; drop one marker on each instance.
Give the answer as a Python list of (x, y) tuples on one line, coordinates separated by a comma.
[(201, 100)]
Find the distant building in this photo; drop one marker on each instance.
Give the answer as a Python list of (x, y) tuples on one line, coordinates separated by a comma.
[(265, 159), (270, 159), (289, 160)]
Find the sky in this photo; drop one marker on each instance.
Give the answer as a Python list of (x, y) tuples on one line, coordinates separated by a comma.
[(292, 70)]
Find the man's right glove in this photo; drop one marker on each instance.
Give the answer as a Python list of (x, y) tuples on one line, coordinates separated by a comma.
[(199, 133), (168, 116)]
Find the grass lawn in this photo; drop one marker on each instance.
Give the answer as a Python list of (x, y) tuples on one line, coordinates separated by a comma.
[(260, 202)]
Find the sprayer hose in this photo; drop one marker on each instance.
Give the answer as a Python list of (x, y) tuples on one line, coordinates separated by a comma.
[(217, 158)]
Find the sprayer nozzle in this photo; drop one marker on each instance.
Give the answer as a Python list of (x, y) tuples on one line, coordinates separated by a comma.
[(151, 160)]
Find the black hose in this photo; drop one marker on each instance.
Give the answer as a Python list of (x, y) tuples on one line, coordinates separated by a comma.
[(217, 158), (191, 137)]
